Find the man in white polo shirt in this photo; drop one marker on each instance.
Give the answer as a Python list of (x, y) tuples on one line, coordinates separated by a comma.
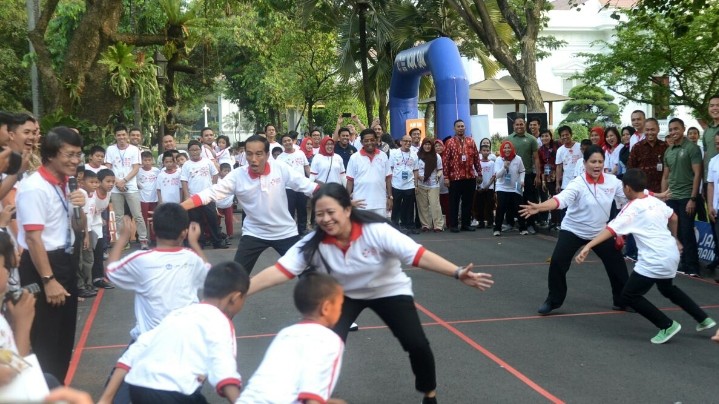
[(369, 176), (638, 118), (124, 160), (402, 162), (46, 219), (260, 189)]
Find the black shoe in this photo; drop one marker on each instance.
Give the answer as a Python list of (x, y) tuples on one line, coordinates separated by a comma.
[(101, 283), (468, 228), (454, 229), (221, 246), (429, 400), (415, 231), (628, 309), (87, 293), (547, 308), (712, 266)]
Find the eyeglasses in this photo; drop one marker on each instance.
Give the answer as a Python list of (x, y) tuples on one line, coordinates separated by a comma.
[(70, 156)]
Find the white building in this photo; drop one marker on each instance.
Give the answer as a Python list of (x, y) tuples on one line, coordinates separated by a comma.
[(579, 28)]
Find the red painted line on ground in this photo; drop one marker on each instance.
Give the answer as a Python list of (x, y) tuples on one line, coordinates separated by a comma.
[(709, 281), (519, 375), (90, 348), (80, 347)]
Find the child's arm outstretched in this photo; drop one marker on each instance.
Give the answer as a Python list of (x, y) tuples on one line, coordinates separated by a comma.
[(602, 237), (118, 375)]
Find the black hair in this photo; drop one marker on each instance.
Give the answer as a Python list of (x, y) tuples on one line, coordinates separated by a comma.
[(262, 139), (7, 250), (652, 120), (629, 129), (293, 134), (585, 142), (225, 138), (286, 135), (591, 150), (535, 119), (487, 139), (614, 130), (313, 289), (55, 139), (88, 173), (119, 128), (455, 122), (20, 119), (366, 132), (671, 121), (268, 125), (169, 153), (204, 129), (316, 129), (344, 129), (276, 149), (80, 169), (519, 117), (146, 154), (104, 173), (445, 140), (635, 179), (225, 278), (225, 166), (414, 129), (541, 132), (194, 142), (95, 149), (241, 144), (694, 128), (6, 118), (338, 193), (564, 128), (638, 111), (136, 129), (387, 138), (169, 221)]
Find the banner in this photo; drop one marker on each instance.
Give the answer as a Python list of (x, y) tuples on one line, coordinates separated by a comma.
[(705, 240), (410, 124)]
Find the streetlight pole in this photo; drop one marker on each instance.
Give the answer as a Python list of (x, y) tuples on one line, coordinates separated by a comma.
[(205, 109)]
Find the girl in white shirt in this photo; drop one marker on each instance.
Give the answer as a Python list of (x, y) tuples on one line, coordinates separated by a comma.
[(509, 173), (365, 254), (224, 155), (614, 148), (588, 200), (326, 165)]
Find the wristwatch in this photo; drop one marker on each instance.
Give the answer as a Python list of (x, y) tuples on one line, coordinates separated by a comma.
[(693, 199), (46, 279)]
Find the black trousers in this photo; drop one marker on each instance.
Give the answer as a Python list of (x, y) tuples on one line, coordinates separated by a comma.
[(638, 285), (206, 216), (484, 206), (461, 190), (142, 395), (403, 207), (98, 268), (250, 248), (400, 315), (567, 245), (297, 205), (689, 262), (508, 204), (53, 329)]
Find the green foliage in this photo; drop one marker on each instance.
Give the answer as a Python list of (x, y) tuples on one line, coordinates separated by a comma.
[(579, 131), (14, 76), (591, 106), (67, 17), (648, 45), (91, 134)]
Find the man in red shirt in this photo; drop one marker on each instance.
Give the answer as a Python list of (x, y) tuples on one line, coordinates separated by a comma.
[(461, 166)]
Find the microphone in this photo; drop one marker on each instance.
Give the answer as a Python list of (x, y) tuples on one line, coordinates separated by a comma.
[(72, 184)]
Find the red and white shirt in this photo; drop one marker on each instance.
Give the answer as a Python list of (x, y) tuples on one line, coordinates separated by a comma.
[(328, 169), (101, 205), (147, 183), (42, 204), (198, 174), (122, 162), (163, 279), (369, 174), (302, 363), (191, 345), (95, 170), (636, 138), (263, 197), (369, 268), (168, 183), (295, 159), (569, 157)]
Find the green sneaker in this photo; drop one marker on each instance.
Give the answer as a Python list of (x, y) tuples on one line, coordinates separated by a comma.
[(706, 324), (666, 334)]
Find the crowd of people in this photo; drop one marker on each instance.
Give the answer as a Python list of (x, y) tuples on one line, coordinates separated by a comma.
[(340, 209)]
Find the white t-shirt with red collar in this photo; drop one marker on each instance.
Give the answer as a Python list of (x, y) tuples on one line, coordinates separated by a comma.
[(42, 204), (369, 268), (302, 363), (295, 159), (198, 174), (589, 205), (168, 183), (122, 162), (263, 198), (369, 174), (327, 169), (646, 218), (568, 157), (95, 170), (147, 184), (163, 279), (190, 345), (101, 205)]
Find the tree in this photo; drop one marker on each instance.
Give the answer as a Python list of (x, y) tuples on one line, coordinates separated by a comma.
[(14, 77), (591, 106), (647, 49), (525, 19)]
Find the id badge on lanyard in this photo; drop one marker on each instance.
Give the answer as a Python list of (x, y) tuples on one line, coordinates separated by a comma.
[(69, 248)]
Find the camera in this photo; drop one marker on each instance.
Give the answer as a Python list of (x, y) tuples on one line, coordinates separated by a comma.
[(15, 162), (15, 295)]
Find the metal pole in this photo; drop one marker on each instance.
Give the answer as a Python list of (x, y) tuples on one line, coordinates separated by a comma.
[(32, 14)]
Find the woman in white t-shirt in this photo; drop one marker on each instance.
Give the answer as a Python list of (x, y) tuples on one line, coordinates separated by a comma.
[(588, 200), (509, 186), (326, 165), (428, 176), (614, 148), (365, 254)]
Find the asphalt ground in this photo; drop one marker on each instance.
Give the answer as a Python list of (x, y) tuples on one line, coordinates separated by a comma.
[(489, 346)]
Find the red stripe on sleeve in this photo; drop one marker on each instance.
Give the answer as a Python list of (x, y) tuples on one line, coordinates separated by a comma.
[(418, 256), (228, 382), (284, 270), (612, 231), (33, 227), (122, 366), (557, 200), (196, 200), (350, 178), (310, 396)]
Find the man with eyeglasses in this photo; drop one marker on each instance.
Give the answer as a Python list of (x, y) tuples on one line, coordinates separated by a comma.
[(124, 160), (47, 223), (402, 162)]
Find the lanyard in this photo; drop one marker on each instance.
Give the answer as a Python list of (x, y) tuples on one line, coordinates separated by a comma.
[(68, 233)]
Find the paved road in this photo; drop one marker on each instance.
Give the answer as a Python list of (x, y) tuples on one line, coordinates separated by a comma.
[(489, 347)]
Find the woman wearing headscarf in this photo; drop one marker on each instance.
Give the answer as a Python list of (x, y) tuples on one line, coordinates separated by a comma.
[(307, 146), (509, 186), (428, 177), (596, 136), (327, 166)]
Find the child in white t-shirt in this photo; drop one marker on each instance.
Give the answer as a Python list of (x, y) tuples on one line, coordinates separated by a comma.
[(646, 218), (224, 205), (484, 194), (90, 184), (147, 184), (304, 360), (191, 345), (169, 188)]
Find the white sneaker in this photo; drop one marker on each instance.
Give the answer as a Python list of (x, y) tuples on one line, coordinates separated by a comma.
[(523, 232), (531, 230), (354, 327), (475, 223), (506, 227), (497, 234)]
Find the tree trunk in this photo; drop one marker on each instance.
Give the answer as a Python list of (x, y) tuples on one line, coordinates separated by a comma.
[(362, 9), (310, 115), (429, 119), (382, 110)]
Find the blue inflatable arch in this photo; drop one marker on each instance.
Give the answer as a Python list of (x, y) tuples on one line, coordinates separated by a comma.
[(441, 59)]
